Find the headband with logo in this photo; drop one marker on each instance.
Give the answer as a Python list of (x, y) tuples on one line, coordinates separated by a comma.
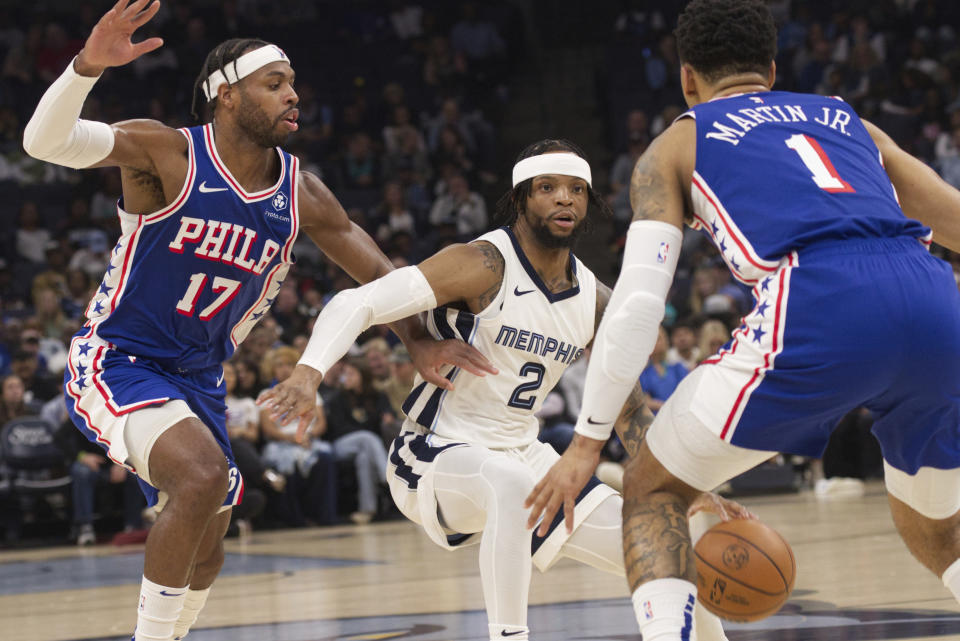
[(564, 164), (242, 67)]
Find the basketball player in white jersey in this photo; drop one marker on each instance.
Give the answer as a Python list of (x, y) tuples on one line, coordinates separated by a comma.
[(144, 377), (465, 459)]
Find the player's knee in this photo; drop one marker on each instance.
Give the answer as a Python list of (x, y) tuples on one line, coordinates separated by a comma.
[(204, 484), (509, 482)]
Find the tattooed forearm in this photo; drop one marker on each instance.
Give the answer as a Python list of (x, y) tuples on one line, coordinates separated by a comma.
[(648, 189), (634, 421), (492, 262), (656, 539)]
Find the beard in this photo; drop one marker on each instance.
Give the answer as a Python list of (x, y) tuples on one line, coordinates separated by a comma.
[(256, 124), (550, 240)]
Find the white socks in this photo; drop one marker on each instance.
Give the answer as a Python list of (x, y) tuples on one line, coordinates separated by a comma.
[(158, 611), (194, 602), (951, 579), (664, 610), (499, 632)]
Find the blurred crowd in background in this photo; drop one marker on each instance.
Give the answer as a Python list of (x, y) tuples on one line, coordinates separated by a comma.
[(404, 109)]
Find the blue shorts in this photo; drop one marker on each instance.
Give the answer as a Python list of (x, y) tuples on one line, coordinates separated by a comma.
[(873, 323), (104, 386)]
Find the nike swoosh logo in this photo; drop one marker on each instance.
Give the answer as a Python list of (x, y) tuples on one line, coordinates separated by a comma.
[(165, 593), (511, 634), (220, 380), (593, 422), (517, 292), (209, 190)]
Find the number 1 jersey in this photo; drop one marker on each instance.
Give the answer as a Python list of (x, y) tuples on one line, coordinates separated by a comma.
[(186, 284), (778, 171)]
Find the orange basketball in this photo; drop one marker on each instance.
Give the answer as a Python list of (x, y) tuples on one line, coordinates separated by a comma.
[(745, 570)]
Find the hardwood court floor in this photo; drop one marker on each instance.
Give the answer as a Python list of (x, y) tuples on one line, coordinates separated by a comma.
[(388, 581)]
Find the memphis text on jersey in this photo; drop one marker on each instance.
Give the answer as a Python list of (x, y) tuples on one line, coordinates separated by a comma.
[(527, 341), (222, 242), (746, 119)]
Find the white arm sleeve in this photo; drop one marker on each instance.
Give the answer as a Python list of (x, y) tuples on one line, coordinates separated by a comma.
[(401, 293), (55, 134), (628, 331)]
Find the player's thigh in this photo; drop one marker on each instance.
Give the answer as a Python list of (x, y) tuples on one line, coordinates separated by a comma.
[(176, 449), (689, 449), (470, 481)]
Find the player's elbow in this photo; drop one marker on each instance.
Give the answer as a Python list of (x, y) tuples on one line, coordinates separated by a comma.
[(32, 142)]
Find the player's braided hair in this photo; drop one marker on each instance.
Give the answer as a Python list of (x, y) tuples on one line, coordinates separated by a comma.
[(512, 203), (222, 55), (719, 38)]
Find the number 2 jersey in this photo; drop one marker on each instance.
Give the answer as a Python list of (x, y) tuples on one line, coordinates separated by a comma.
[(528, 332), (186, 284), (814, 173)]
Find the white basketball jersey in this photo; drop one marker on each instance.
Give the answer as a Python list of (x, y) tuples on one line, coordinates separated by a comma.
[(530, 334)]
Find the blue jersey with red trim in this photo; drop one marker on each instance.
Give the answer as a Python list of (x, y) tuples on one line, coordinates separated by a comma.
[(778, 172), (186, 284)]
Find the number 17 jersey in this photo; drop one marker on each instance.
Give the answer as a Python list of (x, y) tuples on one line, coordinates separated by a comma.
[(186, 284), (778, 172)]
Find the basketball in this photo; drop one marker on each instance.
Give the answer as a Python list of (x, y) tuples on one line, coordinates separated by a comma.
[(745, 570)]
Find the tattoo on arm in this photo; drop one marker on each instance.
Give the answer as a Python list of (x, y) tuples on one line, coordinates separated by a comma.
[(634, 421), (648, 190), (492, 262)]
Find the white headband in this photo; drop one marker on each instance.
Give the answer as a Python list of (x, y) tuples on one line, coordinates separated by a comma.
[(552, 163), (242, 67)]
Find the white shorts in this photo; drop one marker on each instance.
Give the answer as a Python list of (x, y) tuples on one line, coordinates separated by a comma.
[(694, 453), (410, 475)]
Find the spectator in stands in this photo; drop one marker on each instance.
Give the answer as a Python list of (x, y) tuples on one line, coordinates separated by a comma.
[(401, 124), (243, 429), (57, 254), (461, 208), (103, 203), (49, 313), (392, 214), (357, 416), (307, 462), (57, 49), (476, 38), (38, 386), (31, 238), (445, 70), (360, 167), (79, 292), (402, 376), (683, 345), (713, 335), (14, 401), (248, 377), (89, 471), (659, 378), (451, 116)]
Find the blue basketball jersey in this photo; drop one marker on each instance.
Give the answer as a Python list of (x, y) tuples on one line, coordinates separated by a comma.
[(814, 174), (186, 284)]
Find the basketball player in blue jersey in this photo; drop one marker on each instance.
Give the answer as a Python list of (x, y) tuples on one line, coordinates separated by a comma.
[(851, 310), (465, 459), (209, 216)]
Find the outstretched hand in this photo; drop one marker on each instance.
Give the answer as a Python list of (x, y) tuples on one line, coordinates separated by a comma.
[(294, 398), (562, 484), (429, 355), (110, 43)]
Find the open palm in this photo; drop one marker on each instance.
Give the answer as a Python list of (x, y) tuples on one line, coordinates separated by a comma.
[(110, 44)]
